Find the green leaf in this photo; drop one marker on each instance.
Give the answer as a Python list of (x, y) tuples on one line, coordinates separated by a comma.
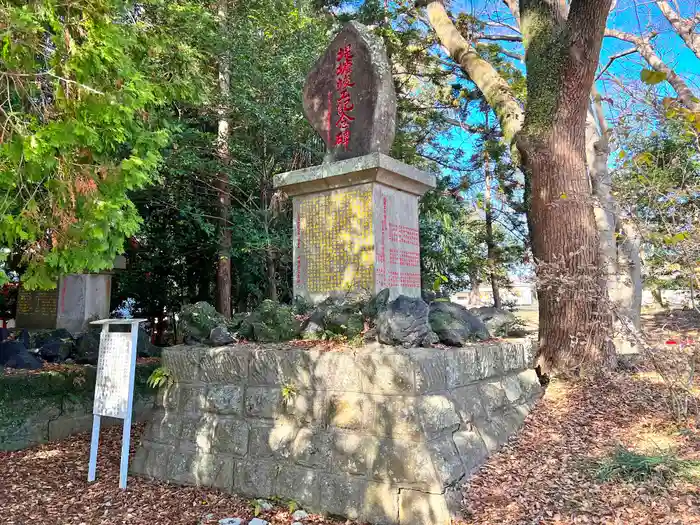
[(652, 77)]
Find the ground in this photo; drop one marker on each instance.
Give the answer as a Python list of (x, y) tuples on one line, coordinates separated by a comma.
[(554, 472)]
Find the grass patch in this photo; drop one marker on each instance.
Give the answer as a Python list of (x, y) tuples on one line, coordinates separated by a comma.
[(628, 465)]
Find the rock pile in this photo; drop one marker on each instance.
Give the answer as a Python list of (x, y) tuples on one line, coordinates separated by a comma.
[(30, 350), (405, 321)]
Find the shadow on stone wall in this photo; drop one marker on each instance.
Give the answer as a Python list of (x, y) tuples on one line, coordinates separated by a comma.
[(381, 434)]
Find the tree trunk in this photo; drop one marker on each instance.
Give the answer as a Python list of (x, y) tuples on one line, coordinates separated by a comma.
[(474, 291), (561, 58), (620, 261), (223, 262), (656, 294), (490, 244), (271, 275), (631, 269)]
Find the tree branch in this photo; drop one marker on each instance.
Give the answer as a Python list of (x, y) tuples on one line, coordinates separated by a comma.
[(614, 57), (505, 38), (495, 89), (643, 45), (683, 26)]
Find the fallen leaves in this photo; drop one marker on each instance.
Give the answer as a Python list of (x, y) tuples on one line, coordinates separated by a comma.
[(47, 485), (546, 476)]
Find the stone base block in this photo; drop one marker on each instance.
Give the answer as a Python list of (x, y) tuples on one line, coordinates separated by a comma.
[(391, 443)]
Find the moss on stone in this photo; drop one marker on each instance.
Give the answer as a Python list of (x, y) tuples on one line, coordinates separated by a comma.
[(29, 401)]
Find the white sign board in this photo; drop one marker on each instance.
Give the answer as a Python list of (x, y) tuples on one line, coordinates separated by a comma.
[(114, 387), (113, 375)]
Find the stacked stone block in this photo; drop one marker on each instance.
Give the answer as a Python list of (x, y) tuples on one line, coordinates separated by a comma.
[(380, 434)]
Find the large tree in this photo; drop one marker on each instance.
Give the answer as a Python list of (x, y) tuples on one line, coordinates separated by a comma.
[(561, 56)]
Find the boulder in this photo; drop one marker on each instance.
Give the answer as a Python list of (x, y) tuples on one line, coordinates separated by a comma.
[(299, 515), (144, 347), (454, 325), (199, 319), (404, 322), (271, 322), (54, 346), (57, 351), (23, 337), (311, 329), (220, 336), (87, 346), (344, 318), (497, 321), (231, 521), (39, 338), (377, 304), (14, 354)]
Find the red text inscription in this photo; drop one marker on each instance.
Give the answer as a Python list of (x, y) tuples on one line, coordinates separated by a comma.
[(405, 280), (404, 234), (343, 105), (404, 258)]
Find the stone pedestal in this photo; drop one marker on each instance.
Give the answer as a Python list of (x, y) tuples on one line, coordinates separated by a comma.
[(356, 226), (381, 434), (83, 297)]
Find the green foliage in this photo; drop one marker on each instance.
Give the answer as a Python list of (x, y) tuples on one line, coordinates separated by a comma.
[(289, 393), (453, 243), (24, 395), (657, 179), (82, 87), (630, 466), (161, 376), (270, 322), (271, 46)]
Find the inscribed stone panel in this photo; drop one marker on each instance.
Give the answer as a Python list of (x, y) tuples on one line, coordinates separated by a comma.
[(397, 241), (334, 245)]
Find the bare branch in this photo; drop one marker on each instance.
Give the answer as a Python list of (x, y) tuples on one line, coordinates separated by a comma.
[(614, 57), (685, 27), (643, 45), (505, 38)]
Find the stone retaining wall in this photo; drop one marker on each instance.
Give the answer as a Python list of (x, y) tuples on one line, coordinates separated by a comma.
[(380, 434), (45, 406)]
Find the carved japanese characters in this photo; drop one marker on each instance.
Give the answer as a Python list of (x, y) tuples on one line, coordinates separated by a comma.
[(349, 95)]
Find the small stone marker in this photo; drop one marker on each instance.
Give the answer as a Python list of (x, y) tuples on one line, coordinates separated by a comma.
[(83, 297), (36, 309), (114, 387), (356, 215), (349, 95)]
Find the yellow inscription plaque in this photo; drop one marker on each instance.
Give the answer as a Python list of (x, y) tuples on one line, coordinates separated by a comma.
[(336, 239)]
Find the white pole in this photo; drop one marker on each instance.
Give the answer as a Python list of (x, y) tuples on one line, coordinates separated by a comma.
[(126, 432), (94, 443)]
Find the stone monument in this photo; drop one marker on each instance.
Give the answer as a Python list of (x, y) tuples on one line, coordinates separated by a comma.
[(356, 215), (383, 434), (77, 299), (36, 309)]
